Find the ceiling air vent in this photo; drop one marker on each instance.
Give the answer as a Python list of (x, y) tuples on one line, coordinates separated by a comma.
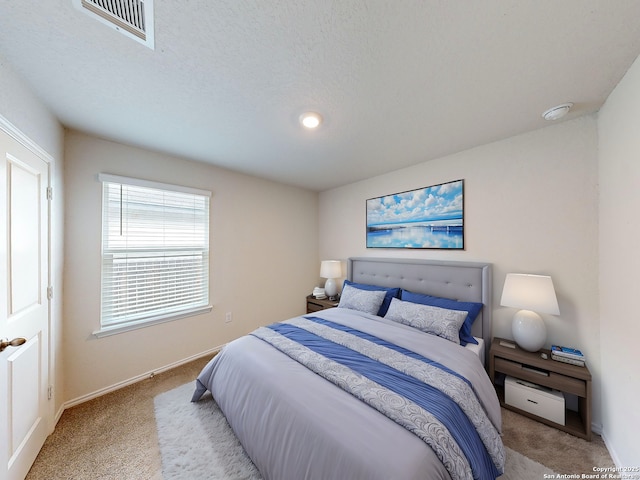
[(133, 18)]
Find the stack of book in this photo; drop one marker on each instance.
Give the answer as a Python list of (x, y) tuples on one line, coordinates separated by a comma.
[(319, 293), (567, 355)]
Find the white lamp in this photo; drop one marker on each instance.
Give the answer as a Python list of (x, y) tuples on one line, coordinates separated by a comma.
[(530, 293), (330, 269)]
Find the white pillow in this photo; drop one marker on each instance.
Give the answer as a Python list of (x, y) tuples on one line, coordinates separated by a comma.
[(367, 301), (438, 321)]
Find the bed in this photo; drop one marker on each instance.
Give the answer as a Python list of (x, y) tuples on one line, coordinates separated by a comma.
[(346, 393)]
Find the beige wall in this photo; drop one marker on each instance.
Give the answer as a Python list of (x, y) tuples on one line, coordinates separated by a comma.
[(20, 107), (530, 206), (264, 251), (619, 166)]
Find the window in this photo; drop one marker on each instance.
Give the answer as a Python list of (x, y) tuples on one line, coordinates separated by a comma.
[(155, 253)]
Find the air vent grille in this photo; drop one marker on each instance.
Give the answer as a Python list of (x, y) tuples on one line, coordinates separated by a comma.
[(134, 18)]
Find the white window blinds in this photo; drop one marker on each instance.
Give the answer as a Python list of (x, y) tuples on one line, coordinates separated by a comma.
[(155, 251)]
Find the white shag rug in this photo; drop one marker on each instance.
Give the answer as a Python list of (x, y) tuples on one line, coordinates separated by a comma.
[(196, 442)]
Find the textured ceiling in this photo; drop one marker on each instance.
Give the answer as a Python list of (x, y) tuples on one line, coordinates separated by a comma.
[(397, 82)]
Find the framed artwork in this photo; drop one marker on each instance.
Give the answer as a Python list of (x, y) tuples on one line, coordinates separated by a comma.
[(430, 217)]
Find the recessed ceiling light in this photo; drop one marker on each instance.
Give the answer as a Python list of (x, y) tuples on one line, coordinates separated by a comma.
[(311, 120), (557, 112)]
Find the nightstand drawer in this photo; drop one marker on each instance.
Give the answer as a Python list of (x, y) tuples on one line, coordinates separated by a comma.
[(571, 385), (508, 367), (314, 307), (555, 380), (316, 304), (540, 401), (516, 369)]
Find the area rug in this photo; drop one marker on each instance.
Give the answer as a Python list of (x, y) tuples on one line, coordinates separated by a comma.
[(197, 442)]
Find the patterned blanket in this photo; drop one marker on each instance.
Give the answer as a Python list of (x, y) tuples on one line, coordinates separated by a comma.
[(431, 401)]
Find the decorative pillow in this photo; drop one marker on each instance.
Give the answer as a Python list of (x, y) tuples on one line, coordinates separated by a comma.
[(367, 301), (472, 308), (390, 293), (438, 321)]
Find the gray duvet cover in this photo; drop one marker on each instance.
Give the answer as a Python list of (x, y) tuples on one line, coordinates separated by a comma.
[(295, 425)]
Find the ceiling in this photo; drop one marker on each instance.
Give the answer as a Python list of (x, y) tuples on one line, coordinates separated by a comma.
[(398, 82)]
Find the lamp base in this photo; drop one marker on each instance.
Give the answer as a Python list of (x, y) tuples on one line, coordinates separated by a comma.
[(528, 330), (330, 287)]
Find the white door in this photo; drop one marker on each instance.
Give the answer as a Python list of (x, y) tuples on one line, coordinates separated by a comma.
[(24, 307)]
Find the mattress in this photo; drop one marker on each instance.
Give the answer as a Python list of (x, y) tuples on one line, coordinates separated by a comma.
[(477, 349)]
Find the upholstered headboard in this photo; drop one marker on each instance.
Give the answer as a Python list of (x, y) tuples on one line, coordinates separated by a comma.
[(464, 281)]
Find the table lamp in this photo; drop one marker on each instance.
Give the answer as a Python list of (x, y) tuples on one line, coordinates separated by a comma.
[(330, 269), (531, 294)]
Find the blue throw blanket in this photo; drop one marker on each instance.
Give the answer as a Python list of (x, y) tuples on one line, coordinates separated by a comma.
[(426, 398)]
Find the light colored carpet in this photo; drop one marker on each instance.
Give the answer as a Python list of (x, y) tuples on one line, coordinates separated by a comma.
[(114, 437), (197, 442), (558, 450)]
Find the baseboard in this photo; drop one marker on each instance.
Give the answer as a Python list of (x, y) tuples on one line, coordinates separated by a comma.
[(612, 452), (58, 415), (136, 379)]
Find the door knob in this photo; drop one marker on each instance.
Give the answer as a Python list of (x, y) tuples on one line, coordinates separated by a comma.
[(16, 342)]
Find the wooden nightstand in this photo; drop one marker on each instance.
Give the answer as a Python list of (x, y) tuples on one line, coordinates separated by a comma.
[(566, 378), (315, 305)]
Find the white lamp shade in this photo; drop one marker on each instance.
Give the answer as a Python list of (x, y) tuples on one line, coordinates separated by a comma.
[(330, 269), (530, 292)]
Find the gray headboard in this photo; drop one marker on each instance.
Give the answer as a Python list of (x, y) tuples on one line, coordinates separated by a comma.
[(464, 281)]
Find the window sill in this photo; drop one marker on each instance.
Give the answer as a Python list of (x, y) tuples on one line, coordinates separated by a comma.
[(116, 329)]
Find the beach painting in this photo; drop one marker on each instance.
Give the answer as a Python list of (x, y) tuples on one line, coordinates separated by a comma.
[(430, 217)]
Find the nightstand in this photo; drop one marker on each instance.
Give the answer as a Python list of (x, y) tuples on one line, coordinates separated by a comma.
[(531, 367), (315, 304)]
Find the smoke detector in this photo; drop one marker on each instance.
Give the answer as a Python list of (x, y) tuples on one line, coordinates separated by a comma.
[(557, 112), (133, 18)]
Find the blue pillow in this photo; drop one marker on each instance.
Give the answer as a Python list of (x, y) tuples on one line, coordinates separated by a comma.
[(472, 309), (391, 293)]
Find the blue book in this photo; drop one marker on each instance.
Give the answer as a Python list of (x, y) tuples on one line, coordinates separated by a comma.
[(567, 352)]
